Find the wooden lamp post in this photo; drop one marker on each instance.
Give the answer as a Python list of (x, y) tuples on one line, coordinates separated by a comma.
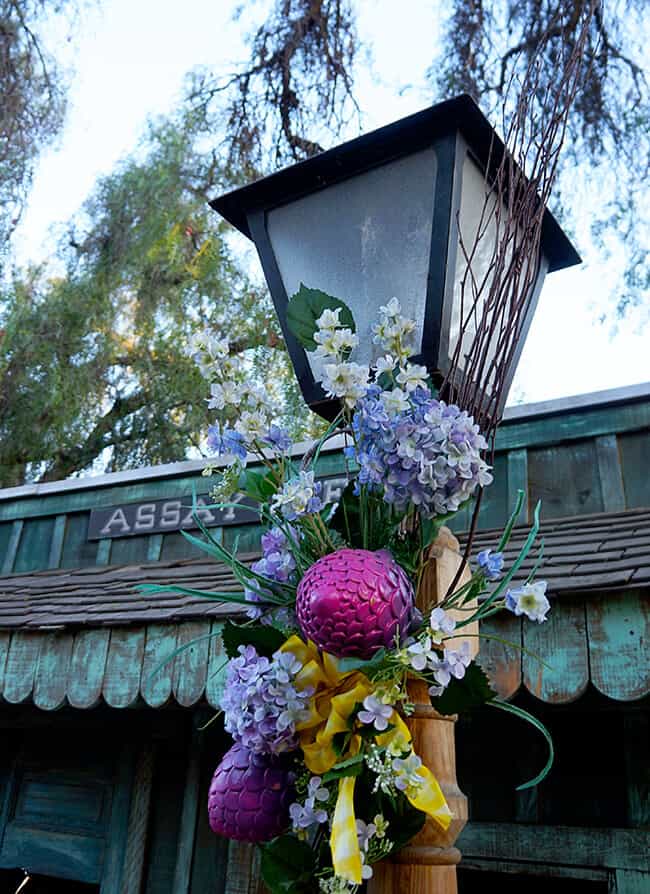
[(394, 212)]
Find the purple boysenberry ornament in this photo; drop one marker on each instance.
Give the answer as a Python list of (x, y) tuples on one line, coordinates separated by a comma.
[(250, 795), (353, 601)]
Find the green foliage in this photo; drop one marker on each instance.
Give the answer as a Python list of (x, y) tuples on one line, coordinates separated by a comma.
[(266, 640), (472, 691), (304, 309), (259, 486), (94, 363), (287, 865)]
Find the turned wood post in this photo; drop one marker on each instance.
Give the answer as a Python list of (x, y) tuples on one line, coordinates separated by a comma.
[(428, 864)]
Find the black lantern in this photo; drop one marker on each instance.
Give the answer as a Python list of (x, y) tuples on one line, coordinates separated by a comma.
[(379, 217)]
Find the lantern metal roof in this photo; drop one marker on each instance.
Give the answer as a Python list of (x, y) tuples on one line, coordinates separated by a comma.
[(378, 147)]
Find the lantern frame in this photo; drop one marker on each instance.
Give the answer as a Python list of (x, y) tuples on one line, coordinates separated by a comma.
[(453, 129)]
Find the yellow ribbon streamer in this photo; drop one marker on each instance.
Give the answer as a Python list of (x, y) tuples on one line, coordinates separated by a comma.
[(335, 696)]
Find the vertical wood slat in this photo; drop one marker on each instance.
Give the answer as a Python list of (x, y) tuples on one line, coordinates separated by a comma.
[(103, 551), (611, 475), (156, 683), (562, 642), (5, 640), (56, 544), (210, 859), (217, 661), (124, 667), (118, 827), (630, 881), (517, 478), (242, 868), (501, 662), (87, 667), (21, 666), (51, 681), (191, 666), (12, 546), (619, 631), (154, 547), (183, 869), (637, 768)]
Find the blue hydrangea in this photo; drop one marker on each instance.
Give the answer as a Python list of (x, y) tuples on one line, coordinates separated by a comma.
[(427, 454), (227, 441), (261, 703), (278, 439), (491, 563)]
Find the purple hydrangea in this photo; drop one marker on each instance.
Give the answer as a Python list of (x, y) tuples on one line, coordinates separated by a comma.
[(278, 439), (277, 563), (261, 703), (428, 454)]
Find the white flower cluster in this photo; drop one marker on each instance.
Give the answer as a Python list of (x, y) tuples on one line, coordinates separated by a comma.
[(396, 768), (395, 335), (229, 390), (334, 342)]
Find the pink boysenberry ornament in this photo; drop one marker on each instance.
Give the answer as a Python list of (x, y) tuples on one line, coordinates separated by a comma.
[(353, 601), (250, 794)]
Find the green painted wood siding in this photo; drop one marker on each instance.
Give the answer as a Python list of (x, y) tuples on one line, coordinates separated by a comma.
[(582, 461)]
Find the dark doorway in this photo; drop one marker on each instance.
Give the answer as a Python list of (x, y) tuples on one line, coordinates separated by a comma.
[(10, 880)]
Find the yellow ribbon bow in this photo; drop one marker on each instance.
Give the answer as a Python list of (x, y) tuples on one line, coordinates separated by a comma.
[(335, 696)]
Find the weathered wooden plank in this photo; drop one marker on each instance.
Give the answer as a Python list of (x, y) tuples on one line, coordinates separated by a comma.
[(636, 748), (582, 423), (619, 631), (499, 660), (119, 823), (630, 881), (51, 680), (565, 479), (154, 547), (103, 551), (21, 666), (78, 551), (130, 550), (210, 859), (121, 686), (87, 667), (609, 470), (12, 546), (34, 548), (56, 544), (217, 662), (187, 830), (561, 641), (5, 640), (573, 846), (516, 480), (544, 870), (156, 683), (191, 666), (51, 853), (635, 448)]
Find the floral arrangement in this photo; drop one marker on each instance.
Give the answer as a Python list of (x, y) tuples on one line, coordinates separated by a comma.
[(322, 772)]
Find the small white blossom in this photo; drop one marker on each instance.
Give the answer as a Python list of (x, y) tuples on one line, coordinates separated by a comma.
[(329, 319), (395, 401), (345, 380), (412, 376), (385, 364), (529, 600), (440, 625)]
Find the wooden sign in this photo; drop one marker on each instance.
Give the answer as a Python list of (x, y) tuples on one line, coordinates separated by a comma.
[(162, 516)]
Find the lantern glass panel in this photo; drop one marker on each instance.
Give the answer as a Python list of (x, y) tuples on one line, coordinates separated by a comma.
[(363, 240), (478, 212)]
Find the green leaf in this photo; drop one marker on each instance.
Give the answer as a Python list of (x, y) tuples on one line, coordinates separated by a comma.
[(353, 766), (524, 715), (259, 486), (462, 695), (367, 666), (287, 865), (266, 640), (347, 518), (306, 306)]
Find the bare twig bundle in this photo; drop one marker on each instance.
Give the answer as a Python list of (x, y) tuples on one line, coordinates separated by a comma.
[(501, 255)]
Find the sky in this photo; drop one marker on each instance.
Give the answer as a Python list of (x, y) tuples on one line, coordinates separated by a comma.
[(128, 59)]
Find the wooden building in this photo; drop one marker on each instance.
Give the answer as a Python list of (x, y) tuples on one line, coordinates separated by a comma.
[(104, 761)]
